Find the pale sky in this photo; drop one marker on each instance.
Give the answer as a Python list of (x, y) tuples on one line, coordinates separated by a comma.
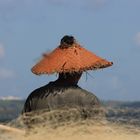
[(109, 28)]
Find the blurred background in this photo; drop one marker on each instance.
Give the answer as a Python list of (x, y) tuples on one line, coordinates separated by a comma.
[(109, 28)]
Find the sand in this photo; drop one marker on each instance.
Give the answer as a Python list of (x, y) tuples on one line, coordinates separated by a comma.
[(69, 125), (84, 130)]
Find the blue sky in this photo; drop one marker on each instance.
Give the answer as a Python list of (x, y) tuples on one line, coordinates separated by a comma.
[(109, 28)]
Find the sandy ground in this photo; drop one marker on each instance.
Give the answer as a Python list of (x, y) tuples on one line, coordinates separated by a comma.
[(68, 125), (88, 130)]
